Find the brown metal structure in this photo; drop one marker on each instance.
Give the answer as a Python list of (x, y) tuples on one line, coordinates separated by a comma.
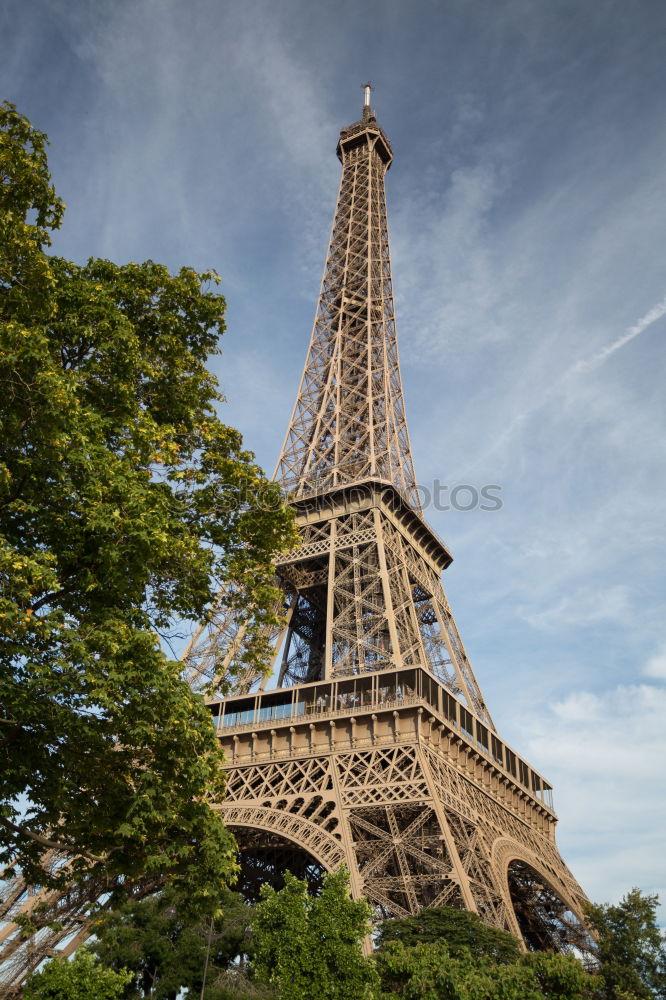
[(376, 750)]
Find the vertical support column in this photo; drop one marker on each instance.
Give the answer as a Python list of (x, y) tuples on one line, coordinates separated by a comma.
[(369, 305), (337, 364), (454, 653), (284, 631), (287, 645), (356, 882), (411, 611), (459, 658), (386, 589), (447, 836), (330, 602)]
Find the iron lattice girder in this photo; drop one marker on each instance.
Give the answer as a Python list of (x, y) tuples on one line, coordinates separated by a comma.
[(368, 572), (407, 700), (349, 418), (420, 816), (428, 805)]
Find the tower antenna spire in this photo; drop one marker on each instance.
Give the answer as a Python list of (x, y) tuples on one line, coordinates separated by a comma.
[(367, 91)]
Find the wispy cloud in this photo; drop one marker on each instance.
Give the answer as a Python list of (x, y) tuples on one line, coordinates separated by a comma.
[(583, 607), (605, 755), (582, 367), (656, 665)]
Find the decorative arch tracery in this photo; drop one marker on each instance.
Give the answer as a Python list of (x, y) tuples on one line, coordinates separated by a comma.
[(540, 907), (271, 841)]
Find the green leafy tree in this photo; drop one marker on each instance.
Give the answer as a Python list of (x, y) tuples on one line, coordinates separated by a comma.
[(428, 971), (82, 978), (233, 984), (168, 949), (461, 930), (561, 977), (631, 948), (449, 954), (308, 946), (119, 514)]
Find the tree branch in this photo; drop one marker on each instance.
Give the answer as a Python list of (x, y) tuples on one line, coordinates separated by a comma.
[(12, 735), (47, 599), (46, 842)]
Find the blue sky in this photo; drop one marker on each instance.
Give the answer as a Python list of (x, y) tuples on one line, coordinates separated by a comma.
[(527, 208)]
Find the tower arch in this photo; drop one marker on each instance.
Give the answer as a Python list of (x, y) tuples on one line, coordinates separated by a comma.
[(272, 841), (541, 908)]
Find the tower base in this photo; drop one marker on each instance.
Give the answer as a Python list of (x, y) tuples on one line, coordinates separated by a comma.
[(373, 773)]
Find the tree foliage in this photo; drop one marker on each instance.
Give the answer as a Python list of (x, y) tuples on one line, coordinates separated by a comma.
[(82, 978), (167, 948), (461, 930), (308, 946), (119, 513), (449, 954), (631, 948), (429, 971)]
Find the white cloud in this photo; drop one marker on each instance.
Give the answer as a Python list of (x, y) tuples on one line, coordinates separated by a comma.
[(583, 607), (604, 753), (578, 707), (656, 665)]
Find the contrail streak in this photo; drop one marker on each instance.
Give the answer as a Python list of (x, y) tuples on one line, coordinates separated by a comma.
[(634, 331), (581, 367)]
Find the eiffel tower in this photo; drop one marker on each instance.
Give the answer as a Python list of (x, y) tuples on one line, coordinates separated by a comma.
[(376, 749)]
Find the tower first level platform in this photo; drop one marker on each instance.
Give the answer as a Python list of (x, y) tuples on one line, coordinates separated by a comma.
[(391, 775)]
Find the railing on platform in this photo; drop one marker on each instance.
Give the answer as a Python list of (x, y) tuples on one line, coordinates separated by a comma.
[(380, 691)]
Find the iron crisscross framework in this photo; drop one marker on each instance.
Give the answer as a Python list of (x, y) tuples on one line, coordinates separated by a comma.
[(348, 423), (362, 592)]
